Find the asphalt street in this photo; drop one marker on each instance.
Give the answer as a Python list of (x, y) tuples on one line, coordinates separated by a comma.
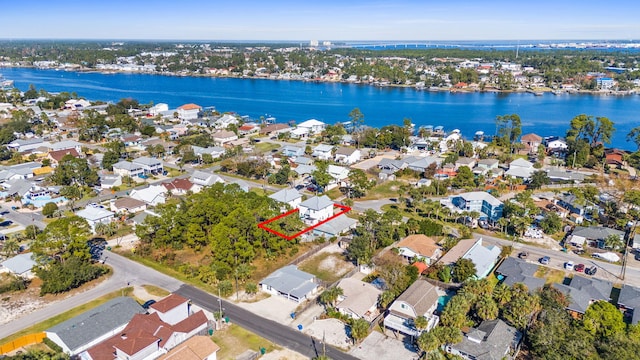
[(280, 334)]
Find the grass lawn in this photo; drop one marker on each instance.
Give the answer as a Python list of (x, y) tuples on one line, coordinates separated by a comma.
[(552, 276), (266, 147), (326, 266), (235, 340), (388, 189), (155, 291), (68, 314), (334, 193)]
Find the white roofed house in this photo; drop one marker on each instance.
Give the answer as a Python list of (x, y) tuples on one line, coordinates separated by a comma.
[(291, 283), (347, 156), (465, 161), (292, 150), (152, 195), (95, 216), (485, 165), (288, 196), (215, 151), (22, 145), (420, 299), (127, 168), (313, 126), (339, 175), (149, 165), (520, 168), (203, 178), (316, 209), (19, 265), (323, 152), (359, 300)]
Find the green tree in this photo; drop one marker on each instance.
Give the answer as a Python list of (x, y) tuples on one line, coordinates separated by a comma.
[(109, 158), (72, 193), (463, 269), (359, 330), (509, 129), (486, 308), (551, 223), (72, 170), (421, 322), (613, 241), (539, 178), (603, 320), (63, 239), (49, 209), (359, 184), (634, 136), (330, 296), (321, 175)]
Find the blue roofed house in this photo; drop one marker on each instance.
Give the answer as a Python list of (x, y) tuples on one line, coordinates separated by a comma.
[(291, 283), (91, 327), (489, 207)]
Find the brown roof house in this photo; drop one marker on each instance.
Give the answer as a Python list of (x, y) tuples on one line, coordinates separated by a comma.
[(359, 300), (181, 186), (531, 142), (420, 299), (56, 156), (199, 347), (419, 247), (127, 205)]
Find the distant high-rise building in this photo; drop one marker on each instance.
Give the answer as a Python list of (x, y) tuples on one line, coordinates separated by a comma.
[(313, 43), (326, 43)]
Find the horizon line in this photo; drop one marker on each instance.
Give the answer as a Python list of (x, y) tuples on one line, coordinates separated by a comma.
[(311, 39)]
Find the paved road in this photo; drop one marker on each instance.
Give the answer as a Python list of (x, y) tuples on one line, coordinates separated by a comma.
[(607, 271), (269, 329), (24, 219), (125, 272), (370, 204)]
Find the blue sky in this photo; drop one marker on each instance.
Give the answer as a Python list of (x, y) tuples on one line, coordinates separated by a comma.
[(321, 20)]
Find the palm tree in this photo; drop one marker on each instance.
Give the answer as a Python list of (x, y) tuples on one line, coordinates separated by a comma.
[(502, 294), (503, 222), (486, 308), (11, 246), (330, 296), (421, 323)]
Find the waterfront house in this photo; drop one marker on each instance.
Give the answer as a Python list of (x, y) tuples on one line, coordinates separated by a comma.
[(359, 300), (419, 299), (347, 156), (94, 326), (582, 292), (223, 137), (288, 196), (615, 157), (487, 205), (127, 168), (316, 209), (225, 120), (149, 165), (313, 126), (189, 111), (491, 340), (531, 142), (275, 129), (96, 215), (291, 283), (323, 152), (248, 129), (419, 247), (628, 302)]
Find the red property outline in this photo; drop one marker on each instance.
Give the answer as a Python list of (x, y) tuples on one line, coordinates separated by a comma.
[(263, 225)]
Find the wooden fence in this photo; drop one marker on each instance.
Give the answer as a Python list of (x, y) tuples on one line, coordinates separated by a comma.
[(22, 342)]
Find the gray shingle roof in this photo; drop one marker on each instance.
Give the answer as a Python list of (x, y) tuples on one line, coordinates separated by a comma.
[(582, 291), (595, 232), (317, 203), (421, 295), (495, 339), (20, 263), (286, 195), (95, 323), (290, 280), (630, 299), (519, 271)]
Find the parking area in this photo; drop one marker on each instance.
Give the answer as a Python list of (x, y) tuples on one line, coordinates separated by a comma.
[(276, 308), (380, 347), (333, 331)]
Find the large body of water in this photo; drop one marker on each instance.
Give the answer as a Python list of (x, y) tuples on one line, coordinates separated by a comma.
[(545, 115)]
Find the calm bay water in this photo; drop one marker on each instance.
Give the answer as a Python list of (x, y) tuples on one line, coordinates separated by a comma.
[(329, 102)]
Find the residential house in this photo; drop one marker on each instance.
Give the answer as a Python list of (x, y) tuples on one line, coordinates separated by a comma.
[(171, 309), (489, 208), (359, 300), (189, 111), (465, 161), (582, 292), (574, 204), (23, 145), (288, 196), (514, 271), (202, 178), (56, 156), (491, 340), (127, 168), (225, 120), (223, 137), (316, 209), (323, 152), (110, 181), (423, 163), (152, 195), (127, 205), (484, 166), (19, 171), (303, 160), (248, 129), (520, 168), (593, 236), (531, 142), (561, 175), (199, 347), (275, 129), (149, 165), (132, 140), (93, 326), (337, 226), (313, 126), (347, 156), (419, 247), (615, 157), (19, 265), (420, 299), (484, 258), (96, 215), (66, 145), (180, 186), (557, 146), (292, 151), (339, 175), (628, 302), (214, 151), (291, 283)]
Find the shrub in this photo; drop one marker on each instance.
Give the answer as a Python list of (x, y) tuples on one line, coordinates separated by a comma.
[(53, 346)]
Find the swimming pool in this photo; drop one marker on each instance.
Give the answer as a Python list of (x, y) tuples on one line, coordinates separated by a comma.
[(442, 301), (40, 201)]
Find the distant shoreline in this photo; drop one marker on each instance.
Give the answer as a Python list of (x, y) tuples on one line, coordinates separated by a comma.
[(536, 91)]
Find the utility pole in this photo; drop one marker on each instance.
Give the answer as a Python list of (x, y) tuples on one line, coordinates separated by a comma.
[(220, 303)]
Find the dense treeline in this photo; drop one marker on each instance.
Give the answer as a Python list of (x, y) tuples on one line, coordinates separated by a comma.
[(220, 221)]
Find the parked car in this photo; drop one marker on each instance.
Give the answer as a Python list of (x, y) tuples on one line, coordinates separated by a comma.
[(545, 260), (299, 187), (148, 303), (579, 268), (591, 270), (523, 255), (568, 265)]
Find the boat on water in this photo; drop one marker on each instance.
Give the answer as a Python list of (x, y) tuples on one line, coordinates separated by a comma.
[(5, 83), (478, 136)]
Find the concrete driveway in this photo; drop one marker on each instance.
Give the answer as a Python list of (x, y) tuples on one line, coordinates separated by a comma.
[(380, 347)]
